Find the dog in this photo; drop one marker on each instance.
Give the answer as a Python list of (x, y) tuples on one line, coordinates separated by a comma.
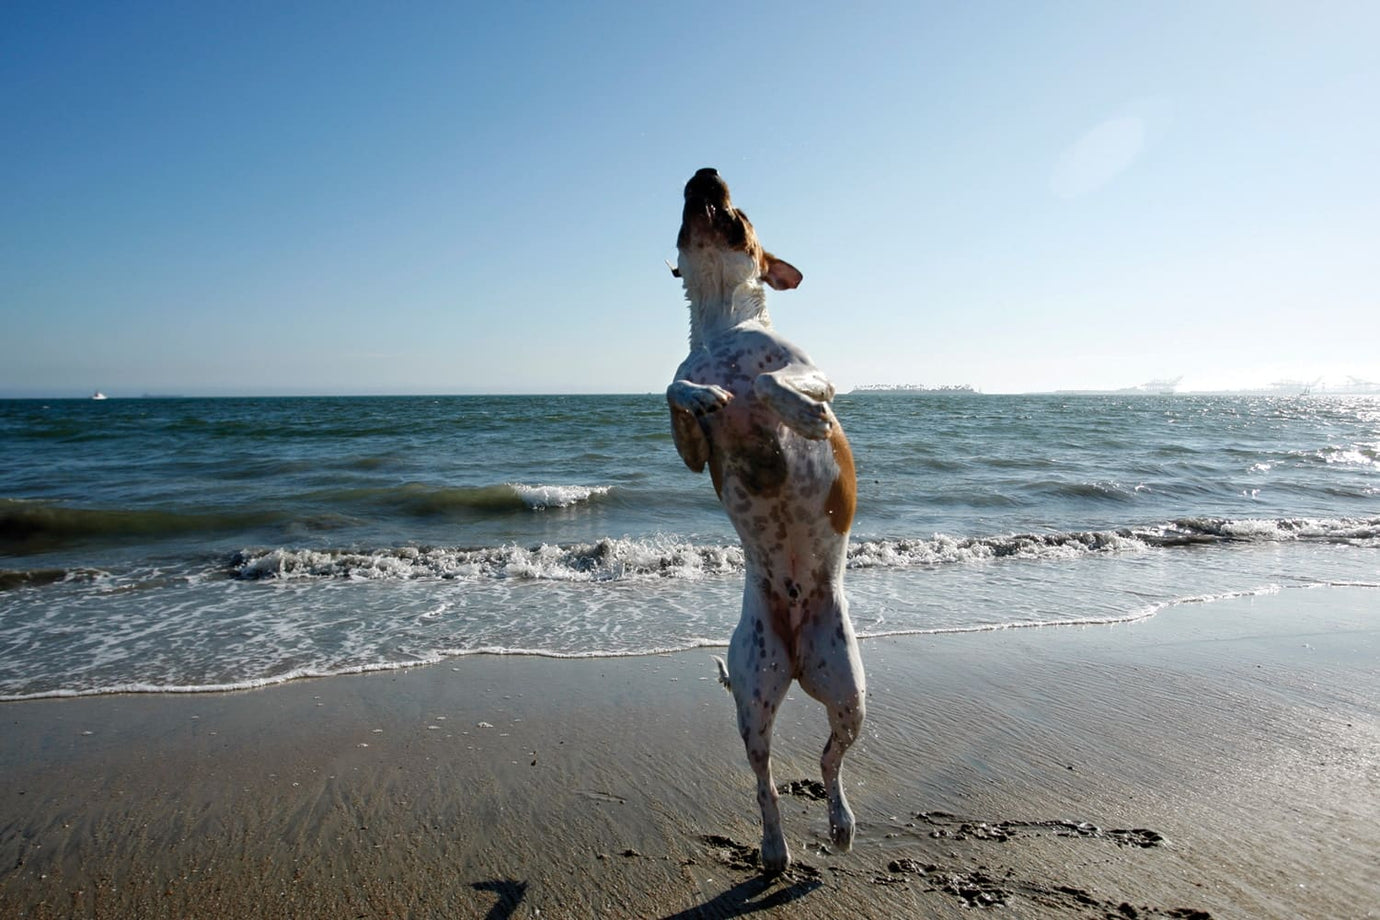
[(753, 408)]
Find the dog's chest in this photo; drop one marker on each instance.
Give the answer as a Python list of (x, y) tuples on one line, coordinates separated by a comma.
[(745, 435), (761, 469), (734, 362)]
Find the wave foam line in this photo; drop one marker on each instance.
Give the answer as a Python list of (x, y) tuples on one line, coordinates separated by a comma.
[(434, 658), (654, 558), (604, 560), (253, 683), (1133, 616)]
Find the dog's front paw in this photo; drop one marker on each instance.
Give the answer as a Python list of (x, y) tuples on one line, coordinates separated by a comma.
[(699, 399), (816, 422), (711, 399), (805, 415), (808, 418)]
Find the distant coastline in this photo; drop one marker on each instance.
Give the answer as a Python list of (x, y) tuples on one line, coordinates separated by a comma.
[(1353, 387)]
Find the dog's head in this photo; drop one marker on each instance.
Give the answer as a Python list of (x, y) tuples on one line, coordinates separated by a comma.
[(717, 244)]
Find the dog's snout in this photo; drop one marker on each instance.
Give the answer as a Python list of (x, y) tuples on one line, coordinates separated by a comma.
[(709, 217), (708, 186)]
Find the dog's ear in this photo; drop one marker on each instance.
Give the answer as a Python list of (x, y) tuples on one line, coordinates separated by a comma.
[(780, 274)]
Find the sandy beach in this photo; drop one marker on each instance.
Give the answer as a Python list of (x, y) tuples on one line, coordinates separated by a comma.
[(1216, 760)]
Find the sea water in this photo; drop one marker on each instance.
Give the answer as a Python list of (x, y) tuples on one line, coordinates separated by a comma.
[(169, 545)]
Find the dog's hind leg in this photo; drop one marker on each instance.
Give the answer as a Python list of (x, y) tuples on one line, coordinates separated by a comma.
[(759, 671), (845, 724), (832, 673)]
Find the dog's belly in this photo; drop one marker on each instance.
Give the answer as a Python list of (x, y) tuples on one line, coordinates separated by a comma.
[(780, 489), (791, 501)]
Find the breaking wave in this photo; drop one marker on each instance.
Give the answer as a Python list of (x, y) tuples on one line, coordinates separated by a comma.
[(660, 558), (424, 499), (34, 526), (604, 560), (31, 526)]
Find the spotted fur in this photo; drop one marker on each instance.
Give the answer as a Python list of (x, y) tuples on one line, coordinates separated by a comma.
[(752, 408)]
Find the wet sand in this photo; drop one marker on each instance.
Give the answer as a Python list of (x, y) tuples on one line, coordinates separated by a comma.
[(1217, 760)]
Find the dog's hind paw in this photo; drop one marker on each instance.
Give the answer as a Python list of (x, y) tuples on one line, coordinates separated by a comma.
[(723, 674), (842, 835), (841, 823), (776, 855)]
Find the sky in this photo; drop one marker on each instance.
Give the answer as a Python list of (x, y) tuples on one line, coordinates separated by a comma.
[(349, 197)]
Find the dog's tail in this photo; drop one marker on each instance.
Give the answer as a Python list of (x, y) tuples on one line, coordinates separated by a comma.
[(723, 674)]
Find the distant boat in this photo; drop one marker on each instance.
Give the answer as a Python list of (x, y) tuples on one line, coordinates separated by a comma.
[(1161, 387), (99, 395)]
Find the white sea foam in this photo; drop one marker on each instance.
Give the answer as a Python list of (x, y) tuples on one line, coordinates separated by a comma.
[(602, 560), (541, 497), (663, 557), (1353, 456)]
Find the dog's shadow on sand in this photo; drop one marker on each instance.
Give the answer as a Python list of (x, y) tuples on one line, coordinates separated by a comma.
[(760, 891), (750, 896), (510, 894)]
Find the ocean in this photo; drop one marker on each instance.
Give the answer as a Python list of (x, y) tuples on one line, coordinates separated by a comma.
[(183, 545)]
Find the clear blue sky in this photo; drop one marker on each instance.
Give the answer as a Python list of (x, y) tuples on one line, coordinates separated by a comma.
[(342, 197)]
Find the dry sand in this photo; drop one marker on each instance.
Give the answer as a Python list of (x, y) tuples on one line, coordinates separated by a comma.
[(1217, 760)]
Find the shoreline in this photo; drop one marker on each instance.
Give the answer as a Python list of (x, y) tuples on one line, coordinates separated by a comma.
[(1216, 758)]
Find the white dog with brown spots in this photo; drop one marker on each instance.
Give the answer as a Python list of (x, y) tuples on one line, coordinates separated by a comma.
[(751, 407)]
